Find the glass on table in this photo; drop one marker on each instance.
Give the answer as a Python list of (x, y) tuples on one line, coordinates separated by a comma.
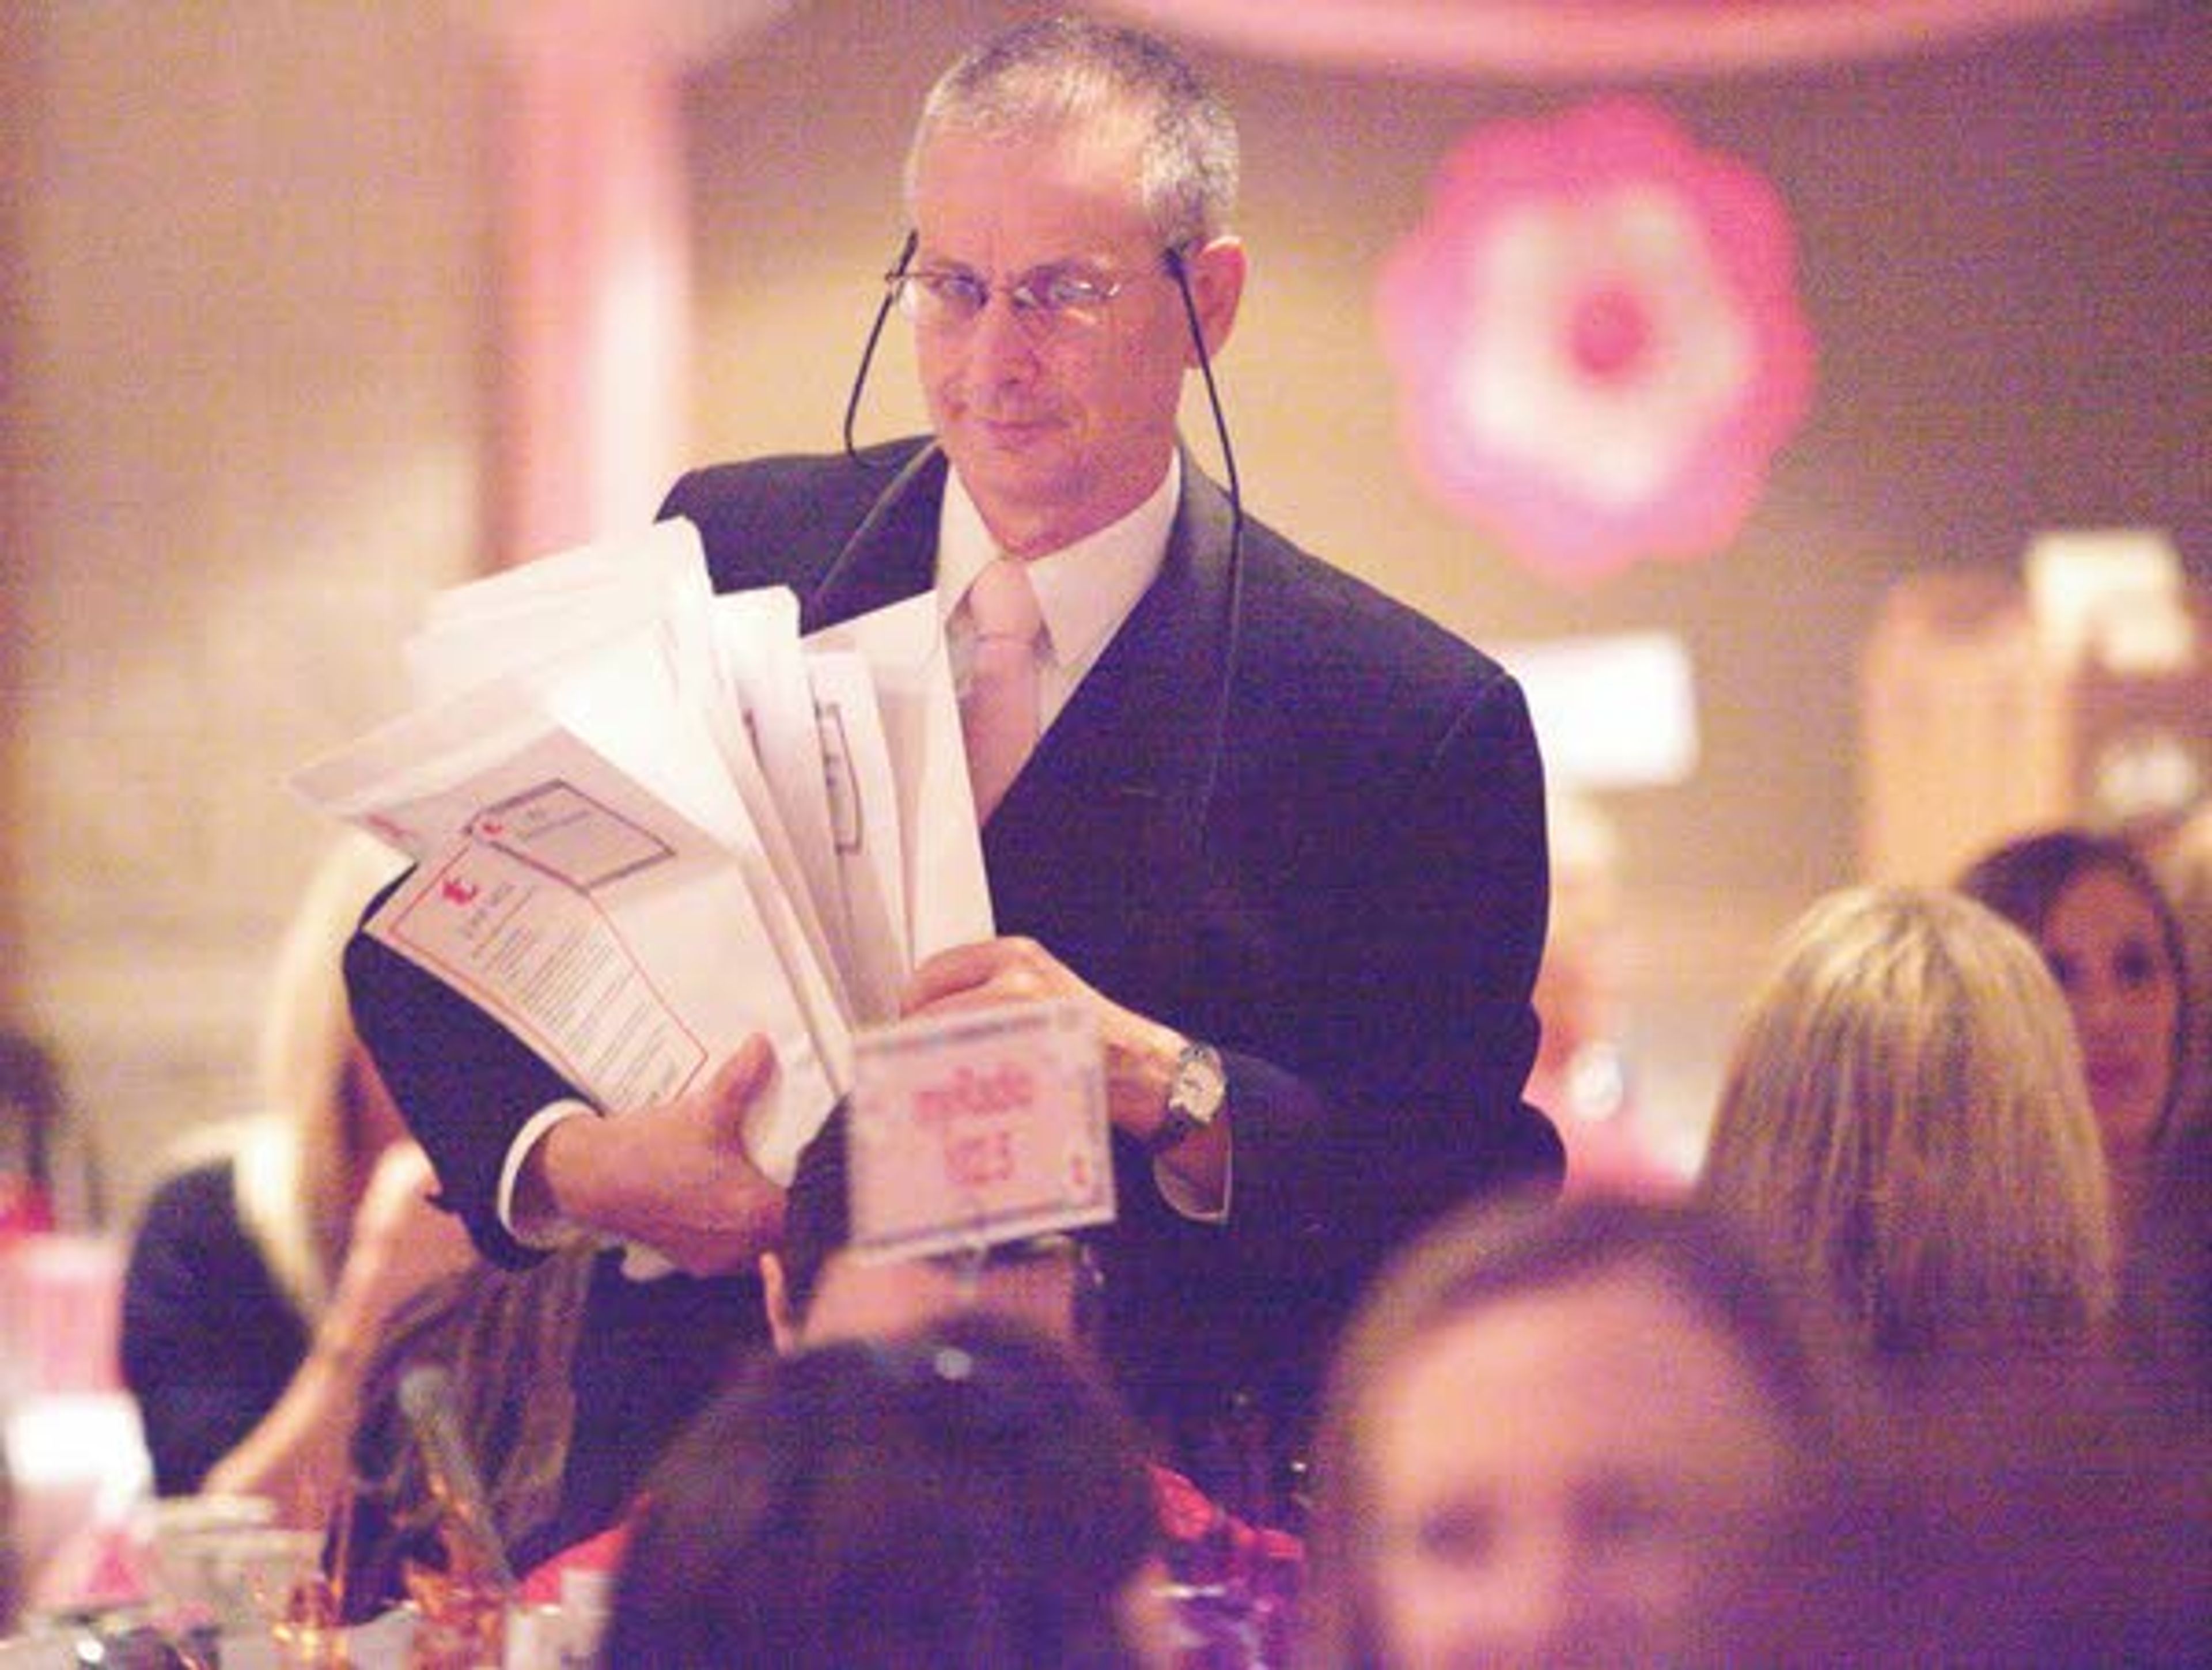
[(290, 1600)]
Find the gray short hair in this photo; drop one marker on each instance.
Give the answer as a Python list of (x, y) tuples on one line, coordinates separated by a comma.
[(1062, 73)]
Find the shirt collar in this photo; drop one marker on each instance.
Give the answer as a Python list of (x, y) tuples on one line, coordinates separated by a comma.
[(1084, 590)]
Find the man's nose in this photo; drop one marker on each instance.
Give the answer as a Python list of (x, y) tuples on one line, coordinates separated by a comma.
[(999, 337)]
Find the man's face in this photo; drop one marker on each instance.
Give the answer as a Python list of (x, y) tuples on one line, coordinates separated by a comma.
[(1057, 429)]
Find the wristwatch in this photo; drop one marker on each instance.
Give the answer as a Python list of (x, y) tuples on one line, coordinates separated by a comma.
[(1196, 1096)]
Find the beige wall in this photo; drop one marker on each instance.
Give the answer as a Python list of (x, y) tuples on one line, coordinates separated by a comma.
[(246, 341), (250, 325)]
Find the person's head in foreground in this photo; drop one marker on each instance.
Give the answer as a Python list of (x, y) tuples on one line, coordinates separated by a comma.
[(1547, 1432), (1229, 1580), (1904, 1121), (964, 1496)]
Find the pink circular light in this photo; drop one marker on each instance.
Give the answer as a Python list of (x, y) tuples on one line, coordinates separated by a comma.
[(1609, 331), (1596, 339)]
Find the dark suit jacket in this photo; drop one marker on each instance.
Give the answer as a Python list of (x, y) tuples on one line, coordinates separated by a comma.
[(210, 1339), (1283, 814)]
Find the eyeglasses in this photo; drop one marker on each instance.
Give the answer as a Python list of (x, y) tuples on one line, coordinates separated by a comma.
[(1045, 300), (1041, 303)]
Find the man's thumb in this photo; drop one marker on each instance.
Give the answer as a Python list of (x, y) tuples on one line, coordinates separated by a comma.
[(737, 1083)]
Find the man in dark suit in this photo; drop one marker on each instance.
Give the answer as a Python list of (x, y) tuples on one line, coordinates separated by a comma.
[(1283, 834)]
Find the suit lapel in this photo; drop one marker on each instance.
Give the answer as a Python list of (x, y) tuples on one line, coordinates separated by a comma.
[(892, 554)]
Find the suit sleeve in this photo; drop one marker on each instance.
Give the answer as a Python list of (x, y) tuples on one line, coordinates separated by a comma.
[(465, 1085), (1420, 954)]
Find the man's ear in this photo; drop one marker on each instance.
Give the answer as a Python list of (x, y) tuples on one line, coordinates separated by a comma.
[(1215, 274), (776, 1292)]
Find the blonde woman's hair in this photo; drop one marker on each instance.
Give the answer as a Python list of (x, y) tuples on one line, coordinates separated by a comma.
[(1904, 1118), (296, 1164)]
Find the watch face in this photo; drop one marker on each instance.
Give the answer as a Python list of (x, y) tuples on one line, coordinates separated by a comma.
[(1196, 1096), (1200, 1084)]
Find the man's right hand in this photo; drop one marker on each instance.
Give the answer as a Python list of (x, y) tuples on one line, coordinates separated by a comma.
[(673, 1176)]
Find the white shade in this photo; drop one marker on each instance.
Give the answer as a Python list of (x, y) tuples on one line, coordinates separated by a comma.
[(1613, 712)]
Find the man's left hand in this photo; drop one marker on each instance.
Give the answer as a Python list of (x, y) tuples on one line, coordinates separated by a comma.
[(1140, 1052)]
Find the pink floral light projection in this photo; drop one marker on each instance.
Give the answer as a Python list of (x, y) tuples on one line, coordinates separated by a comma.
[(1597, 340)]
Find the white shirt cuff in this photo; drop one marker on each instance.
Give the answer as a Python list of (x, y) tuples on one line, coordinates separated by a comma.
[(545, 1233), (1188, 1201)]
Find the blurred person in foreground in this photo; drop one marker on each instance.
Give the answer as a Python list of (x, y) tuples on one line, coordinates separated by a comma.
[(965, 1497), (263, 1269), (1234, 1583), (1903, 1123), (1550, 1437), (505, 1337), (1281, 834)]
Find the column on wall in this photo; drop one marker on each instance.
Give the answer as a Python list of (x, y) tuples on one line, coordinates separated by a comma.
[(595, 301)]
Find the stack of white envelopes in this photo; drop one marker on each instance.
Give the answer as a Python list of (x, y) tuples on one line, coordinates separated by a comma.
[(648, 820)]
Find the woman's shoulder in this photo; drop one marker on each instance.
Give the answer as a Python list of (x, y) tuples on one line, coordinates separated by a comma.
[(194, 1203)]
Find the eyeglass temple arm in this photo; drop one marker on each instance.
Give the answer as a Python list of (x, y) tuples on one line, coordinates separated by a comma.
[(868, 352), (1177, 270)]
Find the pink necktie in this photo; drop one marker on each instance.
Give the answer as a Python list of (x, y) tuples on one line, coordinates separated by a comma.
[(999, 712)]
